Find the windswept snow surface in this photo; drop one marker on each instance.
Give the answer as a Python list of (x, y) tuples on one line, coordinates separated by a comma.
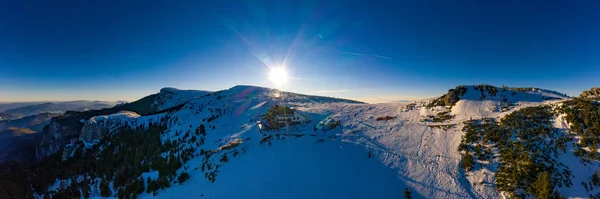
[(171, 97), (296, 168), (298, 162), (425, 158)]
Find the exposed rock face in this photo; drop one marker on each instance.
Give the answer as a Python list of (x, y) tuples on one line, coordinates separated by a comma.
[(57, 134), (96, 127), (69, 127), (593, 92), (54, 137), (92, 131), (53, 128)]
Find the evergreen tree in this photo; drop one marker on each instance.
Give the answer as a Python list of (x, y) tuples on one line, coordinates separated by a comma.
[(543, 188), (407, 194), (151, 186), (467, 161), (139, 188), (85, 189), (202, 130), (224, 159), (593, 151), (104, 189), (183, 176)]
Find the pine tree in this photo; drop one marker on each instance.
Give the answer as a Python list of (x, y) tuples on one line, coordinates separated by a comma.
[(407, 194), (593, 151), (139, 189), (183, 176), (164, 183), (543, 188), (104, 189), (202, 130), (467, 161), (224, 159), (151, 186)]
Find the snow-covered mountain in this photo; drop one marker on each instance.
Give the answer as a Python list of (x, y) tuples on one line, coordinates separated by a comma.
[(170, 97), (460, 145), (492, 93), (62, 129)]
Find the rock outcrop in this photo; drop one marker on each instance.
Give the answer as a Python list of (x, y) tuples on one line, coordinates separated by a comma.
[(593, 92), (92, 131), (483, 92), (54, 137), (96, 127)]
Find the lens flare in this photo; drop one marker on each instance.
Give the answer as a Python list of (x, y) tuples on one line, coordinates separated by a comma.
[(278, 75)]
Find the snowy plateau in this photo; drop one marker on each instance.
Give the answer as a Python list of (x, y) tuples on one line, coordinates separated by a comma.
[(368, 155)]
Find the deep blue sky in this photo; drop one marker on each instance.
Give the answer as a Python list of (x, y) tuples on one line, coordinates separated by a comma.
[(369, 50)]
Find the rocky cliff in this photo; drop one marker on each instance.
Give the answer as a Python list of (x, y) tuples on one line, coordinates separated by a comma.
[(90, 125), (593, 92), (96, 127), (54, 137)]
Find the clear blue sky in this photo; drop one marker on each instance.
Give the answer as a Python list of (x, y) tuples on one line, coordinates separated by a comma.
[(370, 50)]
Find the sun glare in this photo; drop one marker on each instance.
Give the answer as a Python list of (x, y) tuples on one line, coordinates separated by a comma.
[(278, 75)]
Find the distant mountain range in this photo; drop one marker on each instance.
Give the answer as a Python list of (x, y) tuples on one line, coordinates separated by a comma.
[(20, 121), (11, 105), (23, 109), (35, 123)]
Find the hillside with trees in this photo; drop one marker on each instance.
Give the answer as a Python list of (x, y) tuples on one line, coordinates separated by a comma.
[(524, 146), (544, 145)]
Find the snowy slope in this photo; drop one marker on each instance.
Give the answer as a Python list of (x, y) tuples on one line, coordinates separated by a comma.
[(475, 92), (423, 157), (581, 172), (298, 162), (286, 167), (294, 168), (170, 97)]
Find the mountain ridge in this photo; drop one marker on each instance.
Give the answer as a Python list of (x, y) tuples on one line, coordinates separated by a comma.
[(208, 141), (489, 92), (26, 109)]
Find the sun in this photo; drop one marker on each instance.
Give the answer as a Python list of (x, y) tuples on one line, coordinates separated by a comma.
[(278, 75)]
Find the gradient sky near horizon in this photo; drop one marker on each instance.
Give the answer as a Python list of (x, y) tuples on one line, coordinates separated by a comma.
[(367, 50)]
